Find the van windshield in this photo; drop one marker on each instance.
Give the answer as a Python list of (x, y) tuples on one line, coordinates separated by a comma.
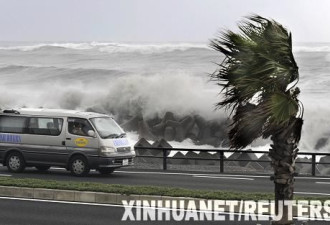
[(107, 127)]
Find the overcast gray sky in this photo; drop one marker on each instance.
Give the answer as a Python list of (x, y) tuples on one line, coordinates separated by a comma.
[(154, 20)]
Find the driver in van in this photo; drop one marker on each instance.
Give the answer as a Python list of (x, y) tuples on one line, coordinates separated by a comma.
[(77, 129)]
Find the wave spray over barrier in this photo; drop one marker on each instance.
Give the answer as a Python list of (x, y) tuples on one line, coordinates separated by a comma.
[(148, 80)]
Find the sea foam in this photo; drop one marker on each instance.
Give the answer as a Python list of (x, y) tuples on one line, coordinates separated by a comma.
[(148, 78)]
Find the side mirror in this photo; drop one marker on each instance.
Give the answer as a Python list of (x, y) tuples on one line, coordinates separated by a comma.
[(91, 133)]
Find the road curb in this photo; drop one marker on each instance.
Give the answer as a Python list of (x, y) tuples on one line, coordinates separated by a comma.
[(79, 196)]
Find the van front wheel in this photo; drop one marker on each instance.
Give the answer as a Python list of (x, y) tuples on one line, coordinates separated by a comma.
[(15, 162), (79, 166)]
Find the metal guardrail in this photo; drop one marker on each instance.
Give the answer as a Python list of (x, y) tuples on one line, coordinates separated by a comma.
[(221, 156)]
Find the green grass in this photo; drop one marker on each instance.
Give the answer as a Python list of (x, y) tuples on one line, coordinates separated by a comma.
[(139, 190)]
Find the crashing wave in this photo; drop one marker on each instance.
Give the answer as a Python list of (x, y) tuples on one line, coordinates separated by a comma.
[(110, 47), (80, 76)]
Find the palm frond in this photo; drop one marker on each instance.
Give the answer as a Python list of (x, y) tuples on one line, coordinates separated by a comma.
[(258, 62), (247, 125)]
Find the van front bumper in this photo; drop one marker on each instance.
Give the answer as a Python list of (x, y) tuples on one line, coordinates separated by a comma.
[(110, 162)]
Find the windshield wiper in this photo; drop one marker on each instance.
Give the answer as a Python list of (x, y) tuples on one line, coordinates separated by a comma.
[(115, 135), (111, 136), (121, 135)]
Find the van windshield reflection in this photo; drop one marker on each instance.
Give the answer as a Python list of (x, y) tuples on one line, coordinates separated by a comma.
[(107, 127)]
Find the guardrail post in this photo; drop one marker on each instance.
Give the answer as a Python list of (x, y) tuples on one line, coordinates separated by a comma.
[(313, 165), (164, 159), (221, 161)]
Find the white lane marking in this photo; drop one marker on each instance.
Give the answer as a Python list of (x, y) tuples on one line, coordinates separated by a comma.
[(231, 175), (191, 174), (229, 178), (164, 173), (311, 193), (5, 175), (313, 178), (322, 182), (63, 202)]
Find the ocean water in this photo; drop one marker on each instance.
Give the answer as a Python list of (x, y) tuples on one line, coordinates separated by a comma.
[(152, 78)]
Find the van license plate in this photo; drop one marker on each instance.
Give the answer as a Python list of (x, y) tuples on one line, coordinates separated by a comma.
[(125, 162)]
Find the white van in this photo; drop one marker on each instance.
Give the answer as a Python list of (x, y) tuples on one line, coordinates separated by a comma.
[(77, 141)]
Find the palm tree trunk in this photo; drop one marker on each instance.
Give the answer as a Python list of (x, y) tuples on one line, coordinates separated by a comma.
[(283, 153)]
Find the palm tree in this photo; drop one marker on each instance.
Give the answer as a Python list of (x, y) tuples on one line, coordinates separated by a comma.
[(258, 77)]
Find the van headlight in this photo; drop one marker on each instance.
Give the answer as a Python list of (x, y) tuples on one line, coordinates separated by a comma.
[(108, 149), (133, 151)]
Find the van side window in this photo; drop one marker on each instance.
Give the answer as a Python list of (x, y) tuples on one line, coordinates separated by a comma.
[(13, 124), (45, 126), (78, 126)]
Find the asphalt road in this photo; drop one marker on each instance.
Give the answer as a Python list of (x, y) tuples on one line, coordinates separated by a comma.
[(249, 183), (35, 212), (32, 212)]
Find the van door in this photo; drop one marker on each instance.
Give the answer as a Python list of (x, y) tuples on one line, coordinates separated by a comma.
[(43, 142), (77, 139)]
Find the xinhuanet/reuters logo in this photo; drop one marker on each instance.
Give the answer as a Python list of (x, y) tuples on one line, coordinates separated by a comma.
[(223, 210)]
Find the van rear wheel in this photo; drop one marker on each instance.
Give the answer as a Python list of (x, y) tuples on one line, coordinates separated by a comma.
[(106, 170), (42, 168), (15, 162), (79, 166)]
